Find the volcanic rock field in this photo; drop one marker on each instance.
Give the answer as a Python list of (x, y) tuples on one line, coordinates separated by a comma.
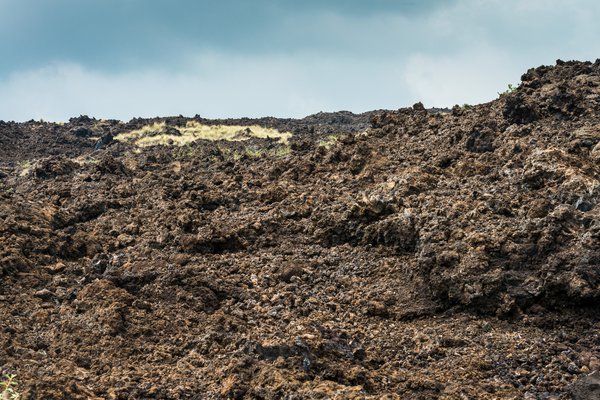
[(413, 254)]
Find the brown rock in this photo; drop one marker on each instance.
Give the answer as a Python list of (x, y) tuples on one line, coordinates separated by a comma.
[(289, 271)]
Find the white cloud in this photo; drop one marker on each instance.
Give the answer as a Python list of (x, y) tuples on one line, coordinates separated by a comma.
[(215, 85), (464, 52), (471, 77), (495, 42)]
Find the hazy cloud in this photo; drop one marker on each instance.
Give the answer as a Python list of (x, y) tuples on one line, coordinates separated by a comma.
[(471, 77), (125, 58), (219, 85)]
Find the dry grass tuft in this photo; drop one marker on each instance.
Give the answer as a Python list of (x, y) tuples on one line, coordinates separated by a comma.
[(160, 133)]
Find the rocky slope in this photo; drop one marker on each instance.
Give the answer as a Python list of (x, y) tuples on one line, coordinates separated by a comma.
[(412, 253)]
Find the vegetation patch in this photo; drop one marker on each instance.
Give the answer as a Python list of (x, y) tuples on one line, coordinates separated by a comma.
[(9, 387), (255, 152), (159, 133), (24, 167), (330, 141)]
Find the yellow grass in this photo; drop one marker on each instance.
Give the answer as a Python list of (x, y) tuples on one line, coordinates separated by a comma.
[(330, 141), (158, 133), (25, 167)]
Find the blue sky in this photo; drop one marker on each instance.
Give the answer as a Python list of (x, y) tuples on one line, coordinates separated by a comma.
[(286, 58)]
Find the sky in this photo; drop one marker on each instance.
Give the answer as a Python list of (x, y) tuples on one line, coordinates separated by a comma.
[(285, 58)]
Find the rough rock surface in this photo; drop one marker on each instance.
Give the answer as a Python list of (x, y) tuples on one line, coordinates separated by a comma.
[(416, 254)]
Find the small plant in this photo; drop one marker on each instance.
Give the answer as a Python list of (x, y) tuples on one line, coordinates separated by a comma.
[(329, 142), (9, 387), (253, 151), (283, 151), (183, 152), (511, 88), (25, 166)]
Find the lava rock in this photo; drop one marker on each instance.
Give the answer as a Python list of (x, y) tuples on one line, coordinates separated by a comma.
[(82, 132), (587, 387)]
